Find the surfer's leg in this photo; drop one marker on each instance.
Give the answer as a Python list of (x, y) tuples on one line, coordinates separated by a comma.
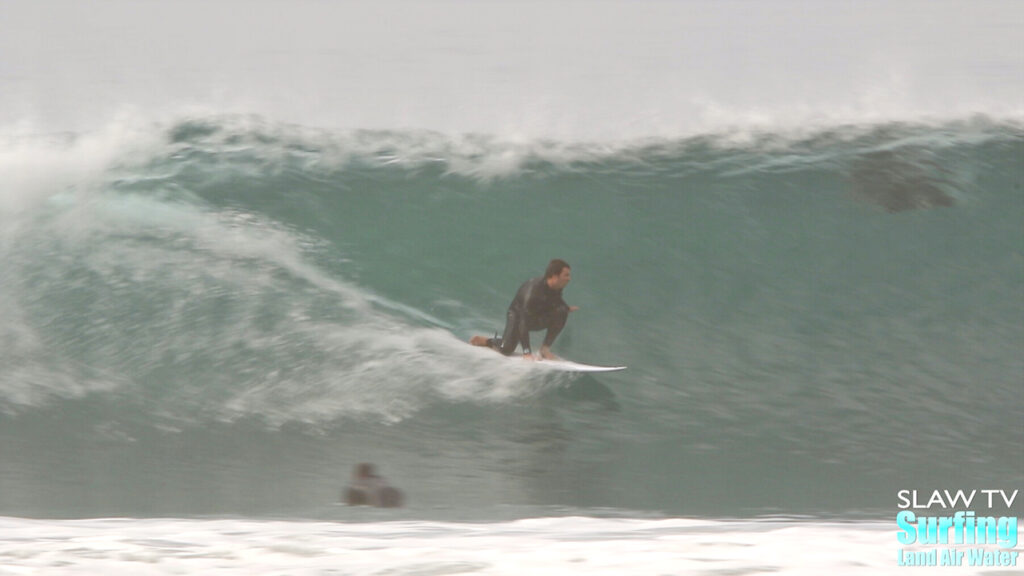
[(509, 340)]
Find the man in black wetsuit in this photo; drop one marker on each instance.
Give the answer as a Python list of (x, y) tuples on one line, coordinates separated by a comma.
[(538, 305)]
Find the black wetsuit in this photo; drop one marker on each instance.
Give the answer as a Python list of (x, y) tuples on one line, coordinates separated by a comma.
[(535, 307)]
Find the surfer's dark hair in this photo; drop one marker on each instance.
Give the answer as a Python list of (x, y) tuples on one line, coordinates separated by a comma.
[(555, 267)]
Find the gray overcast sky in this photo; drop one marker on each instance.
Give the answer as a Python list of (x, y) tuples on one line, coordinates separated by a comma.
[(565, 69)]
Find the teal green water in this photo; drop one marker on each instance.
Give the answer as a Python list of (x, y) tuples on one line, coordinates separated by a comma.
[(233, 313)]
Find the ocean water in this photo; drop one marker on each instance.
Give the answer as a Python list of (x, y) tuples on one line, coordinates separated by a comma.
[(242, 246)]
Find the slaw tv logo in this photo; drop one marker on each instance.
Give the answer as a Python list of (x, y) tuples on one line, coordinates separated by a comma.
[(957, 528)]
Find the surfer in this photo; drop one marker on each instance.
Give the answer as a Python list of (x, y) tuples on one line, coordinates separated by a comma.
[(538, 305), (369, 489)]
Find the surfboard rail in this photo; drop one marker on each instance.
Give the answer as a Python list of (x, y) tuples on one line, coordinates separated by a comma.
[(570, 366)]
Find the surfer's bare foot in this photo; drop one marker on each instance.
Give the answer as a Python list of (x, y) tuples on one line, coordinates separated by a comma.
[(546, 354), (478, 341)]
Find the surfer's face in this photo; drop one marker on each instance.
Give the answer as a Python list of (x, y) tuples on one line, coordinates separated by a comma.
[(562, 280)]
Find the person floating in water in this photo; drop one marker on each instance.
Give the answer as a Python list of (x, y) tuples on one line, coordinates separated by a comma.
[(369, 489), (538, 305)]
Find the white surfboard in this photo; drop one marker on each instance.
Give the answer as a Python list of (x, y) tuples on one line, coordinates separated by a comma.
[(560, 365), (570, 366)]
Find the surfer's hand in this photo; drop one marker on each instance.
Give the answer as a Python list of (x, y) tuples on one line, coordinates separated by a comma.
[(573, 308)]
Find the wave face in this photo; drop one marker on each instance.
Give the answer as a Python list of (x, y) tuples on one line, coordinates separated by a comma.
[(224, 314)]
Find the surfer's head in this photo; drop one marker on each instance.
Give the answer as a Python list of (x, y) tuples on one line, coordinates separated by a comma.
[(364, 471), (558, 274)]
